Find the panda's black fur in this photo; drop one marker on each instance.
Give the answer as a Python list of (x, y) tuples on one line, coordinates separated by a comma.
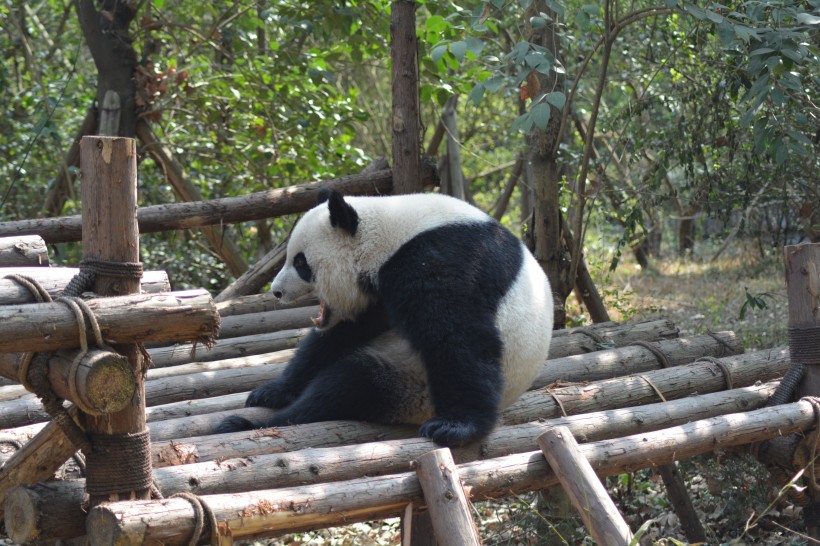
[(432, 312)]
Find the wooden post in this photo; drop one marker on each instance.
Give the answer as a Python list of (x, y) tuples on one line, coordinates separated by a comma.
[(803, 288), (406, 133), (446, 502), (110, 233), (585, 490)]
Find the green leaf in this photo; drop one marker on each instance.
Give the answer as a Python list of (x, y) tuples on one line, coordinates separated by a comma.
[(475, 45), (497, 3), (799, 137), (538, 22), (555, 6), (438, 52), (523, 123), (557, 99), (541, 115), (494, 83), (436, 23), (534, 59), (459, 49), (476, 94)]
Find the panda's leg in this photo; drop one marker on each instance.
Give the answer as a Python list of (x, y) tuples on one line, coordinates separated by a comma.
[(465, 381), (317, 351), (358, 387)]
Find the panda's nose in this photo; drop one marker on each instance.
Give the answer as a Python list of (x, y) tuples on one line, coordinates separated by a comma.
[(277, 294)]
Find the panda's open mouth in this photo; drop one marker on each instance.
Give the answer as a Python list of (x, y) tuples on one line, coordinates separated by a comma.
[(322, 319)]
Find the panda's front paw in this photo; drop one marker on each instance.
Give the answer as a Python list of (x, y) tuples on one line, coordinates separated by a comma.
[(449, 432), (274, 394), (234, 423)]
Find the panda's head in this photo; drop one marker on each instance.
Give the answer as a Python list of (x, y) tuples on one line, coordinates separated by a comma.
[(321, 261)]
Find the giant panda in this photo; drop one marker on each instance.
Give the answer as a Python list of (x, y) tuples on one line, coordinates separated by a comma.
[(431, 313)]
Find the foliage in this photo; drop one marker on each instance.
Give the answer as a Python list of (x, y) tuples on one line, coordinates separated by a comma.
[(703, 104)]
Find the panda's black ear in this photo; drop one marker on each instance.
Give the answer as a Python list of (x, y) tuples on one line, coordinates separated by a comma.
[(323, 195), (342, 215)]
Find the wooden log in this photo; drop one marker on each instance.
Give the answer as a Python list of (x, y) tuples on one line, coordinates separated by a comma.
[(682, 503), (175, 316), (587, 426), (542, 403), (24, 250), (224, 349), (255, 303), (323, 465), (634, 358), (110, 234), (103, 380), (266, 359), (227, 210), (585, 339), (276, 511), (37, 460), (446, 502), (54, 280), (258, 275), (267, 321), (44, 510), (586, 492)]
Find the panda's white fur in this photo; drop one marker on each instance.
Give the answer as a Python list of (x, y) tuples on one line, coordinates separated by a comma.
[(366, 359)]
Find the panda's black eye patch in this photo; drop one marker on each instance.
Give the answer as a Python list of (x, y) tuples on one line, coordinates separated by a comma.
[(302, 268)]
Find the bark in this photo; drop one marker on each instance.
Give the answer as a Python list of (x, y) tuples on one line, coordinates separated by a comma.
[(109, 40), (25, 250), (175, 316), (680, 501), (405, 124), (267, 321), (585, 490), (227, 210), (455, 176), (55, 279), (292, 458), (223, 349), (446, 502), (220, 240), (543, 172), (275, 511)]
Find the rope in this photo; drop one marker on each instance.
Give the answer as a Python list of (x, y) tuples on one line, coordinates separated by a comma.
[(40, 294), (119, 462), (788, 385), (731, 350), (600, 341), (727, 373), (201, 511), (804, 345), (654, 387), (663, 360)]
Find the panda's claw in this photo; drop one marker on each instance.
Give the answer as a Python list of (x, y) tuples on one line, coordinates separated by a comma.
[(449, 432), (272, 394), (234, 423)]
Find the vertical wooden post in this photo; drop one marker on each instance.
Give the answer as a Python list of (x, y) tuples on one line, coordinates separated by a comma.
[(111, 233), (446, 502), (406, 125), (803, 287), (585, 490)]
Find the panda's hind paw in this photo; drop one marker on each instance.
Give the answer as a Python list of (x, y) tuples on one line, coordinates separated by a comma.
[(234, 423), (449, 432)]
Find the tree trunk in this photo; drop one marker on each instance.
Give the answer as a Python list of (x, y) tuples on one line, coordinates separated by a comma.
[(543, 173), (406, 124), (108, 37)]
